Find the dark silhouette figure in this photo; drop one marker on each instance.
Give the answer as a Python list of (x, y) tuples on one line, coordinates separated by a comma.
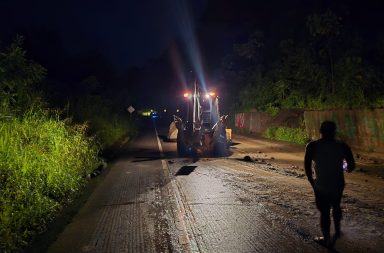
[(329, 156)]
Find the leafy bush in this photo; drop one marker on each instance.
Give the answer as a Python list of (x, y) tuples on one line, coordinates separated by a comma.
[(44, 161), (294, 135), (18, 77), (272, 110), (43, 165), (108, 126)]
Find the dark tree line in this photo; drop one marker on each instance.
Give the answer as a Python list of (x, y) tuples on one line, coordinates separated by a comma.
[(36, 73), (321, 59)]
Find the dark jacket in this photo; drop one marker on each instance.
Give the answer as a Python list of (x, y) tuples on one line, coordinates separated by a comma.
[(328, 155)]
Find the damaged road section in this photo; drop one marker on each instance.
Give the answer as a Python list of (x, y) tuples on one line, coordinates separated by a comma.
[(240, 206), (153, 201)]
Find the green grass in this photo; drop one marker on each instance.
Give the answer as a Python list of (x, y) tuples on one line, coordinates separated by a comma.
[(108, 126), (294, 135), (112, 128), (44, 163)]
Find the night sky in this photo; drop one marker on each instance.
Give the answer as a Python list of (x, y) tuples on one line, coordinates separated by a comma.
[(126, 32), (165, 39), (129, 32)]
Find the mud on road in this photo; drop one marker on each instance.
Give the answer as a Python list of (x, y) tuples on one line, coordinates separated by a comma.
[(151, 201), (258, 200)]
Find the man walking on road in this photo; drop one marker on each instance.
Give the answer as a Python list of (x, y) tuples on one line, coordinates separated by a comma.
[(328, 155)]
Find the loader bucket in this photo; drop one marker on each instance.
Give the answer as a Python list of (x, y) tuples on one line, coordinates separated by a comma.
[(172, 132), (228, 132)]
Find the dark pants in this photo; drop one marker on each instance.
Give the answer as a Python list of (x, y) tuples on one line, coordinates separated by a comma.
[(324, 202)]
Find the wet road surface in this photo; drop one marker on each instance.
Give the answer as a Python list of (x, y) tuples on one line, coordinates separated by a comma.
[(223, 219), (152, 201), (124, 213)]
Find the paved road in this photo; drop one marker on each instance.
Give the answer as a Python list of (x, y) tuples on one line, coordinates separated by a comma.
[(124, 213), (152, 201)]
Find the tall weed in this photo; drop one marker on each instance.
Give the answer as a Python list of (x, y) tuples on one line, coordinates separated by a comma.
[(43, 165), (109, 126)]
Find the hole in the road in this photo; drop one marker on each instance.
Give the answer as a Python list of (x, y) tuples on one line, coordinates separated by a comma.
[(185, 170)]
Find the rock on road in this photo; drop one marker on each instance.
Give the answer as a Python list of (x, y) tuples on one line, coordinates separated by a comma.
[(152, 201)]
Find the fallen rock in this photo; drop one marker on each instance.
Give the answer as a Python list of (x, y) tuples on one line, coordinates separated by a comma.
[(247, 158)]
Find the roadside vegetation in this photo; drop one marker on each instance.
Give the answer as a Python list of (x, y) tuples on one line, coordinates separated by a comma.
[(324, 63), (46, 155), (108, 126), (44, 164), (294, 135)]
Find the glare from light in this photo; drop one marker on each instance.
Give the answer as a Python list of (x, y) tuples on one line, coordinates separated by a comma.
[(177, 64), (210, 94), (177, 110), (187, 31), (187, 95), (165, 110)]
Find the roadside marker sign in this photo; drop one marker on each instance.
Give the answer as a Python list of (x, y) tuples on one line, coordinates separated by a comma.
[(131, 109)]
